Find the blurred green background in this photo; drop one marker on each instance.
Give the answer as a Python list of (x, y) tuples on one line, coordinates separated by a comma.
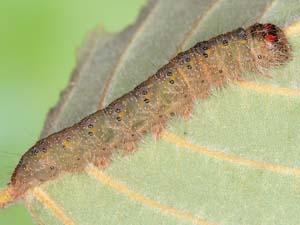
[(38, 42)]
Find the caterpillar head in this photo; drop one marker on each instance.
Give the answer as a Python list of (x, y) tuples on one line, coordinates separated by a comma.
[(270, 45)]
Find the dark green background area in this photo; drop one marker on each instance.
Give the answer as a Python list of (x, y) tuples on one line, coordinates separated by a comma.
[(38, 42)]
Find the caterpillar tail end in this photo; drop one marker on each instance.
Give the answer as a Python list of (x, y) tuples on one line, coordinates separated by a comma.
[(6, 196)]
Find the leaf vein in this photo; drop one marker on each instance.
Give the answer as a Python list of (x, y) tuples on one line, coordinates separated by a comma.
[(268, 89), (33, 213), (123, 55), (197, 25), (111, 182), (267, 9), (181, 142), (41, 196)]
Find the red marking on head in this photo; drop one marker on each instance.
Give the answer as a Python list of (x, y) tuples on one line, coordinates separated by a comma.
[(270, 32), (271, 38), (269, 26)]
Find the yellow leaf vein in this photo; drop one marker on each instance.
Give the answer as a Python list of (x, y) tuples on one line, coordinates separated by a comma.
[(111, 182), (41, 196), (181, 142)]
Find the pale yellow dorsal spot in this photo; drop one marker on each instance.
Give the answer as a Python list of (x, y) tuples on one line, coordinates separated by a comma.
[(94, 129), (208, 51), (173, 77), (43, 155), (149, 95), (222, 46), (192, 63), (67, 144), (241, 42), (121, 114)]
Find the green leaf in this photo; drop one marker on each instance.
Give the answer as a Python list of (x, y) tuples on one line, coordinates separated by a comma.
[(236, 161)]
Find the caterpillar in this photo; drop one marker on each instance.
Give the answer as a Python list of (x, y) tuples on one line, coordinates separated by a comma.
[(172, 90)]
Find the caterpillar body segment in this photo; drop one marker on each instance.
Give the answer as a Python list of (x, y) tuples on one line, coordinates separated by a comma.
[(172, 90)]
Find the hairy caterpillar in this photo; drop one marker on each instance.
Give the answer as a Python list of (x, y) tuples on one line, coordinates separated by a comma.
[(190, 75)]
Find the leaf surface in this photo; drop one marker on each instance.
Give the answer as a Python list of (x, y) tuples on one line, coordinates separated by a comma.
[(236, 161)]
